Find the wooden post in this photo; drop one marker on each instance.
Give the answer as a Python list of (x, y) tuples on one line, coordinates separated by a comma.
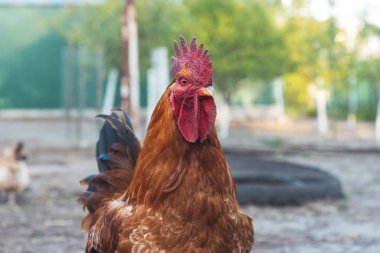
[(99, 56), (67, 60), (352, 102), (320, 94), (278, 92), (377, 122), (158, 78), (109, 96), (124, 87), (321, 100), (130, 90), (83, 75)]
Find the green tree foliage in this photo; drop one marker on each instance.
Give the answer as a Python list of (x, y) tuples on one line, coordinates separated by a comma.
[(159, 23), (241, 35), (304, 38), (368, 73), (93, 26), (317, 51), (250, 42), (369, 87), (370, 67)]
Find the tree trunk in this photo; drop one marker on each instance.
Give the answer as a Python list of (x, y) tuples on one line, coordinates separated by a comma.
[(130, 88)]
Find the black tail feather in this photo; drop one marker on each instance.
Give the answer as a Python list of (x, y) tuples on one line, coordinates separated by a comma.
[(116, 129), (117, 151), (126, 117)]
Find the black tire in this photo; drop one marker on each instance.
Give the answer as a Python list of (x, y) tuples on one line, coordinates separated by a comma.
[(265, 182)]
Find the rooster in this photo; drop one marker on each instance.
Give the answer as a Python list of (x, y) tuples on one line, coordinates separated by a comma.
[(176, 193), (14, 175)]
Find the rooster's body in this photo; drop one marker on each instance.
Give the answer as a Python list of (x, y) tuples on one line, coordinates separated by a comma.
[(181, 197), (14, 175)]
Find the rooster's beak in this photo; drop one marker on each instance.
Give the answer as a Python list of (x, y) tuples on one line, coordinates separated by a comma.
[(208, 92), (172, 87)]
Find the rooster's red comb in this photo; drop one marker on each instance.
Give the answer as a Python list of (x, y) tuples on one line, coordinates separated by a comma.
[(195, 59)]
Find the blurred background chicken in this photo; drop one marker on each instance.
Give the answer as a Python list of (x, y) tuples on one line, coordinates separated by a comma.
[(14, 175)]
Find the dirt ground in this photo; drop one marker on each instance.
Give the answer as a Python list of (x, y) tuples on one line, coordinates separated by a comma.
[(47, 217), (345, 226)]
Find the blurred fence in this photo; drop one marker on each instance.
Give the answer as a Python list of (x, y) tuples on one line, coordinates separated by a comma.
[(38, 70), (82, 78), (29, 59)]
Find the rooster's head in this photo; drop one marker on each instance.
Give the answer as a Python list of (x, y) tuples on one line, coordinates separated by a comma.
[(191, 92)]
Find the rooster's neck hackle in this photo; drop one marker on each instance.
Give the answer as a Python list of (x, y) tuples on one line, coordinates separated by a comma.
[(168, 160)]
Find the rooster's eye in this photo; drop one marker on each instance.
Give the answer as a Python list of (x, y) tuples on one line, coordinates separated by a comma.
[(183, 81)]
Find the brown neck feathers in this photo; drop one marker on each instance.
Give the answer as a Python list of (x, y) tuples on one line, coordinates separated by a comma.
[(168, 163)]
